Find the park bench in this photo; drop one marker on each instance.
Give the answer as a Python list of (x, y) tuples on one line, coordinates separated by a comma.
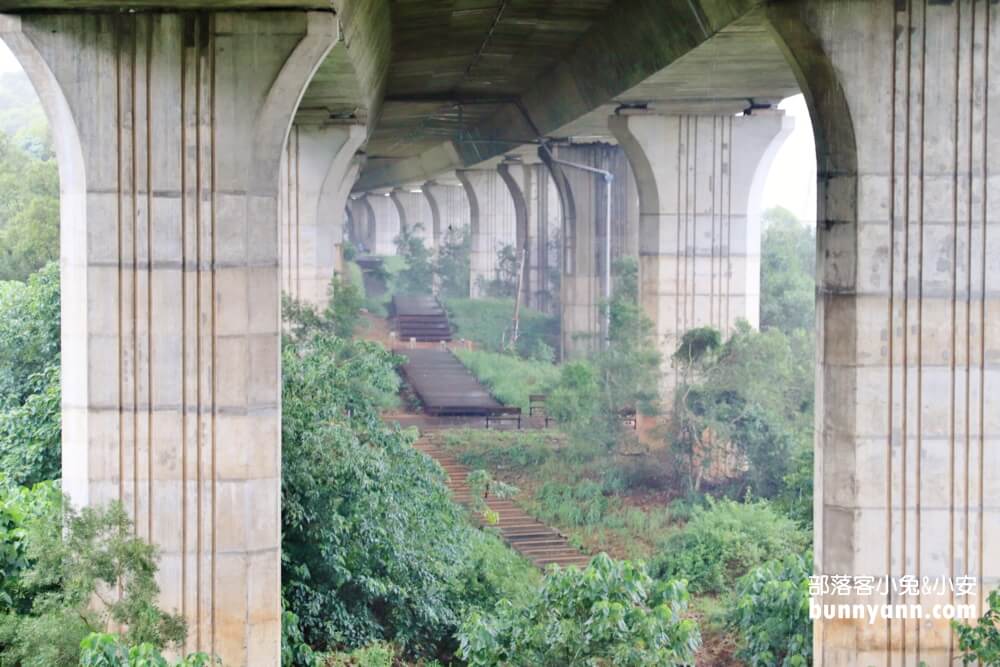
[(536, 407), (503, 415), (628, 418)]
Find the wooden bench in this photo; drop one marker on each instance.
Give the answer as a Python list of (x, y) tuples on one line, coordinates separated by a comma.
[(628, 418), (504, 415)]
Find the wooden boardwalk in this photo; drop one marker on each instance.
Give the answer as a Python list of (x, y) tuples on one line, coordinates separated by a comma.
[(531, 538), (444, 385)]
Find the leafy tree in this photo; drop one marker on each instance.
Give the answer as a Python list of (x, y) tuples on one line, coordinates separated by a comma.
[(755, 392), (788, 273), (31, 434), (418, 276), (452, 264), (373, 547), (503, 284), (611, 613), (724, 540), (69, 562), (770, 613), (981, 642), (591, 396)]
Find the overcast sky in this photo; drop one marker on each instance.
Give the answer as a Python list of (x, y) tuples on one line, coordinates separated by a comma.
[(791, 183)]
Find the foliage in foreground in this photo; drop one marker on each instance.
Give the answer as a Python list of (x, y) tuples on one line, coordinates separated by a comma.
[(373, 547), (981, 641), (611, 613), (58, 568), (107, 650), (724, 540), (770, 613)]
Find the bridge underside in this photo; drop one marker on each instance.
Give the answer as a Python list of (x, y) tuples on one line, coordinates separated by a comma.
[(186, 208)]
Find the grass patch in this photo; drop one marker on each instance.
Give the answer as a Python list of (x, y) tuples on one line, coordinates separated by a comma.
[(484, 321), (510, 379)]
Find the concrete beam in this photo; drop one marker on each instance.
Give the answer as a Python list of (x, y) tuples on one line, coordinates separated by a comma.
[(169, 129), (386, 221), (449, 208)]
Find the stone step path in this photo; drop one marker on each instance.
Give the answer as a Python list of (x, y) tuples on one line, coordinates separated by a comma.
[(528, 536)]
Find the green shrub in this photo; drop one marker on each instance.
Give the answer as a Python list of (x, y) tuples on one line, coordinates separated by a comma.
[(611, 613), (107, 650), (487, 323), (523, 449), (451, 264), (67, 559), (770, 613), (580, 504), (724, 541), (510, 379), (981, 642), (417, 274), (29, 334), (378, 654)]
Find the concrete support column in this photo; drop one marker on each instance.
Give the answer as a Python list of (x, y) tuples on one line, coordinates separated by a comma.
[(363, 222), (699, 246), (169, 129), (583, 198), (905, 100), (386, 220), (414, 213), (316, 177), (449, 208), (492, 222), (534, 199)]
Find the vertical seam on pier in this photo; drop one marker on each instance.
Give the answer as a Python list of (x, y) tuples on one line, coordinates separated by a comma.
[(968, 285), (918, 557), (692, 286), (906, 307), (982, 305), (135, 286), (214, 370), (149, 275), (891, 315), (954, 318), (729, 228), (713, 183), (677, 237), (184, 203), (119, 215), (199, 58), (298, 227)]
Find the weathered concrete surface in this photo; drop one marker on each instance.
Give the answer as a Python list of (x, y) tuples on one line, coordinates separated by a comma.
[(699, 247), (585, 229), (169, 130), (386, 222), (317, 172), (492, 222), (363, 223), (905, 106)]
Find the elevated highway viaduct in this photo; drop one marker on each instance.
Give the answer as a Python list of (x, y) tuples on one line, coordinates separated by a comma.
[(207, 150)]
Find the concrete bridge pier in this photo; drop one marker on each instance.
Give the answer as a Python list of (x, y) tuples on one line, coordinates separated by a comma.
[(699, 248), (362, 221), (414, 213), (585, 229), (492, 222), (535, 204), (905, 101), (317, 172), (449, 208), (169, 129), (387, 223)]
